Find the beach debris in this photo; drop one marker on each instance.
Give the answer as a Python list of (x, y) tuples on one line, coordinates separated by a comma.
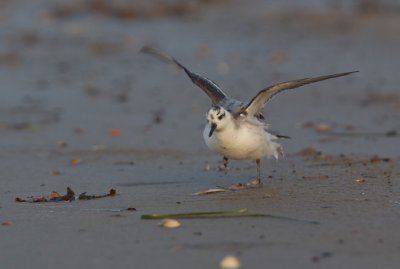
[(7, 223), (239, 186), (316, 177), (114, 132), (211, 191), (124, 163), (322, 255), (113, 210), (52, 197), (383, 99), (359, 180), (9, 58), (78, 131), (31, 199), (56, 197), (207, 167), (308, 124), (377, 159), (54, 173), (217, 167), (392, 133), (313, 154), (62, 144), (75, 161), (169, 223), (323, 128), (84, 196), (241, 213), (91, 90), (229, 262), (158, 116)]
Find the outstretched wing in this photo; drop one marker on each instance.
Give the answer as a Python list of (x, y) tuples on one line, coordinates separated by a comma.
[(257, 103), (209, 87)]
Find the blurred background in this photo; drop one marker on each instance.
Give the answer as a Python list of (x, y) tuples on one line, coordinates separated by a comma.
[(70, 71)]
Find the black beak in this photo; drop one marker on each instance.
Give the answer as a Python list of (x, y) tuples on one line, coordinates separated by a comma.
[(213, 126)]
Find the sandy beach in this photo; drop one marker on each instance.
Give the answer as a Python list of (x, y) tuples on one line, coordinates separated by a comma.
[(80, 107)]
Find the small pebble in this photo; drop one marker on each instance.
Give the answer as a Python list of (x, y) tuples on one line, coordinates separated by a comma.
[(169, 223), (54, 173), (308, 124), (207, 167), (230, 262), (7, 223), (62, 144), (323, 128)]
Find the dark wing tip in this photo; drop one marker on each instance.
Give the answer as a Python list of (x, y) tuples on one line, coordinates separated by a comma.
[(351, 72), (162, 56), (209, 87), (149, 50), (145, 49), (283, 136)]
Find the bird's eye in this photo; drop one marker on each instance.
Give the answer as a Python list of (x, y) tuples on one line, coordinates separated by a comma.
[(220, 117)]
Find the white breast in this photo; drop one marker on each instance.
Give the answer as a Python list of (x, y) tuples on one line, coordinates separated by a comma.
[(243, 142)]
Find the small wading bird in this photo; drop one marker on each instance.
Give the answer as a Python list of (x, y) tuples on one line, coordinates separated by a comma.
[(236, 129)]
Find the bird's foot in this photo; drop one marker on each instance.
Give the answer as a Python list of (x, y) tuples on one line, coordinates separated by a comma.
[(222, 168), (224, 165), (251, 184), (255, 183), (237, 186)]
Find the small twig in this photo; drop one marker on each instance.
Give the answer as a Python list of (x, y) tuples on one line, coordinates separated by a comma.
[(83, 196)]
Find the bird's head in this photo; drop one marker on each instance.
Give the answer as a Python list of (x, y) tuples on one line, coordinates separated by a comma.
[(218, 118)]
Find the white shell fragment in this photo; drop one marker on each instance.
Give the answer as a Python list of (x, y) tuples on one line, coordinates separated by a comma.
[(360, 180), (230, 262), (211, 191), (170, 223)]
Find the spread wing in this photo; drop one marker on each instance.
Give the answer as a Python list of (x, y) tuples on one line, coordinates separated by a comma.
[(209, 87), (257, 103)]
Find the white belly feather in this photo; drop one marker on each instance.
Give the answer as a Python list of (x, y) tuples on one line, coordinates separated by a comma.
[(245, 142)]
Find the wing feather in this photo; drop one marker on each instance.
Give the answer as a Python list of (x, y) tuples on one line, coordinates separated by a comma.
[(213, 91), (257, 103)]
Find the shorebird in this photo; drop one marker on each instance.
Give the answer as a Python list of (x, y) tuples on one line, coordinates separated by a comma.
[(236, 129)]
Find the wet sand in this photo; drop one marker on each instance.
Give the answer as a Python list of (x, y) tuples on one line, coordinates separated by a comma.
[(73, 86)]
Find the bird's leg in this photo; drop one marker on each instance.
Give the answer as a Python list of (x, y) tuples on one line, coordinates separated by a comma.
[(224, 166), (225, 162), (255, 183), (258, 180)]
